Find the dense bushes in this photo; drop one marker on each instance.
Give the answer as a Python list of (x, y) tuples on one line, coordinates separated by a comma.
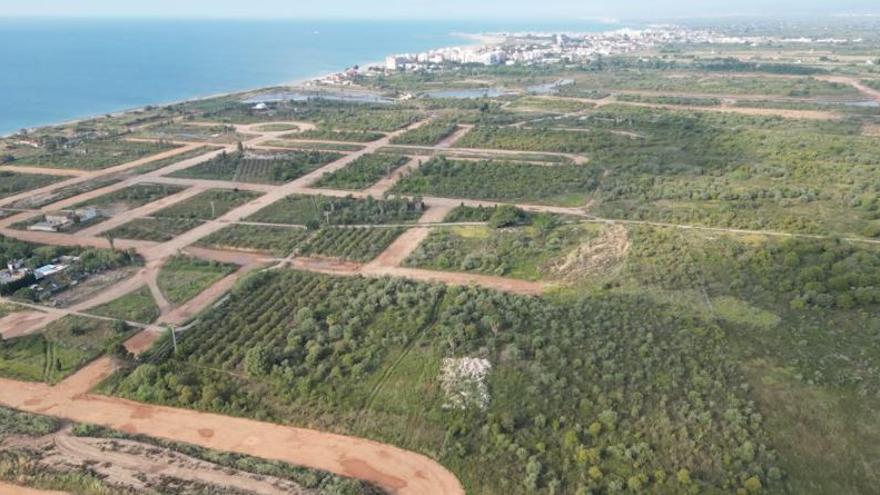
[(501, 181), (317, 210), (657, 400), (273, 168), (362, 172)]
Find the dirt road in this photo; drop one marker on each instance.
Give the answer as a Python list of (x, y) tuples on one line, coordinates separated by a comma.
[(397, 470), (10, 489)]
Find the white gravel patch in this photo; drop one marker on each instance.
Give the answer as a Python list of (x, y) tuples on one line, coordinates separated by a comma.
[(464, 382)]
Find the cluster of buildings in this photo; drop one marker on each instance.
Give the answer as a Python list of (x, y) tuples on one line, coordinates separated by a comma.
[(549, 48), (60, 220), (16, 275)]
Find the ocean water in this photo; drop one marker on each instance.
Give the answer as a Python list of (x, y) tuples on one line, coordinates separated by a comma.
[(54, 70)]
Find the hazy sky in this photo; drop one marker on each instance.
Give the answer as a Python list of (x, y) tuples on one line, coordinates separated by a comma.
[(439, 9)]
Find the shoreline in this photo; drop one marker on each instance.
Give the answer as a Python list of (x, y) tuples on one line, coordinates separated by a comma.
[(475, 37)]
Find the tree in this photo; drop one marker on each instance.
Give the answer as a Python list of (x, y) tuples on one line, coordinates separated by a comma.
[(120, 326), (683, 476), (257, 361), (753, 484), (544, 223), (506, 216), (119, 351)]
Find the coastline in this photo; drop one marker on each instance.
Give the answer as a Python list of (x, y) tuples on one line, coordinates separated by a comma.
[(477, 38)]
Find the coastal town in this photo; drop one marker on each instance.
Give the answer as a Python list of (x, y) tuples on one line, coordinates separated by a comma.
[(539, 48)]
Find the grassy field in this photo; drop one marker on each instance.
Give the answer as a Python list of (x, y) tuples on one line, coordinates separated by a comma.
[(131, 197), (12, 183), (363, 172), (59, 350), (336, 135), (138, 307), (302, 210), (208, 205), (428, 134), (565, 185), (277, 241), (93, 155), (313, 146), (160, 164), (187, 132), (154, 229), (261, 168), (183, 278), (528, 252), (701, 82), (351, 244)]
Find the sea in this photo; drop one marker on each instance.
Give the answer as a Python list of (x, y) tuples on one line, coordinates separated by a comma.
[(54, 70)]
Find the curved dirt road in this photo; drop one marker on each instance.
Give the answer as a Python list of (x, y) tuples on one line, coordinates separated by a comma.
[(394, 469)]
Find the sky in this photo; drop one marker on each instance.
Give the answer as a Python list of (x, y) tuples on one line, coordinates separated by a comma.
[(434, 9)]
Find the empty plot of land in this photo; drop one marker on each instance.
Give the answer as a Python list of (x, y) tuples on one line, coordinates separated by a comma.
[(258, 167), (94, 155)]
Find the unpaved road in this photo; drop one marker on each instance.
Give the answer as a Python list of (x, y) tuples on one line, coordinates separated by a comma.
[(761, 112), (10, 489), (126, 462), (397, 470)]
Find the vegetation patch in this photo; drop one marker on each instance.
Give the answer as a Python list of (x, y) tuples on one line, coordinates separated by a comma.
[(131, 197), (12, 183), (349, 243), (59, 152), (183, 278), (278, 241), (318, 210), (336, 135), (154, 229), (137, 306), (428, 134), (363, 172), (259, 167), (566, 185), (521, 252), (208, 205), (62, 348), (305, 349)]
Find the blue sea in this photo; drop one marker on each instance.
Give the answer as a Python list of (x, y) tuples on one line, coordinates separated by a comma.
[(54, 70)]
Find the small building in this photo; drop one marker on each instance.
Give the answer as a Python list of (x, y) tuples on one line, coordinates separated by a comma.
[(44, 227), (55, 221), (86, 214), (12, 275), (261, 106), (48, 270)]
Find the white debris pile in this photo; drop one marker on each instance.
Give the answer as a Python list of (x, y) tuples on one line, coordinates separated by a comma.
[(464, 382)]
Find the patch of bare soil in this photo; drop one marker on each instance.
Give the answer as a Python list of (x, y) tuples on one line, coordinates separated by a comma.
[(596, 256), (138, 465), (92, 285), (871, 130), (23, 323), (10, 489)]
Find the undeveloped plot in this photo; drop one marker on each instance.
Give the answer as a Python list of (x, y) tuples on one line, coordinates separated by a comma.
[(761, 112), (23, 323), (137, 465), (461, 279), (871, 130), (595, 257)]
